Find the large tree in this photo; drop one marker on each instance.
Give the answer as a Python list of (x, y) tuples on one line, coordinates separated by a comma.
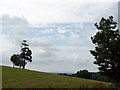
[(107, 50), (25, 53)]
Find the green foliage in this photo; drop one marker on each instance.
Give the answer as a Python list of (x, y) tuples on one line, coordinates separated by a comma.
[(25, 53), (83, 74), (15, 58), (100, 77), (107, 50)]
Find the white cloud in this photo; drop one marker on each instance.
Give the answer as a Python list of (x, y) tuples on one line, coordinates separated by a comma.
[(60, 30), (49, 50), (13, 21), (14, 30), (16, 26), (65, 59), (47, 31), (44, 11)]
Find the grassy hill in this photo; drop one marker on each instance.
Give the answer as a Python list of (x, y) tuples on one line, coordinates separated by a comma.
[(19, 78)]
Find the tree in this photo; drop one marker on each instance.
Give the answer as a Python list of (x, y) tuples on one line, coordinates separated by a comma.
[(22, 58), (15, 58), (107, 50), (25, 53), (17, 61), (83, 74)]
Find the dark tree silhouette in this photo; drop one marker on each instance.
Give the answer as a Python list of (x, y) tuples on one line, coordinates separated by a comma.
[(15, 58), (25, 53), (83, 74), (107, 50)]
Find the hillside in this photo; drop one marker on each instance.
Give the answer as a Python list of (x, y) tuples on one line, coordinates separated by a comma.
[(19, 78)]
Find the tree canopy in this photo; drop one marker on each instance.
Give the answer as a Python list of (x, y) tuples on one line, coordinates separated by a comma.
[(107, 48), (16, 59)]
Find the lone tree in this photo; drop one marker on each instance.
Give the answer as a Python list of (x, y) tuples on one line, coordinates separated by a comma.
[(107, 50), (25, 53), (22, 58)]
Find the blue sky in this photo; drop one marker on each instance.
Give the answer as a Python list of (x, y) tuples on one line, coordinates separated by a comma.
[(58, 32)]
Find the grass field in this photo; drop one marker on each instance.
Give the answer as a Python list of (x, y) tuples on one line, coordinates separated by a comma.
[(19, 78)]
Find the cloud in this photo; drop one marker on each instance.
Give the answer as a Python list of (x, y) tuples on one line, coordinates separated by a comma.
[(14, 30), (13, 21), (40, 12), (51, 58), (16, 27), (58, 32), (64, 59)]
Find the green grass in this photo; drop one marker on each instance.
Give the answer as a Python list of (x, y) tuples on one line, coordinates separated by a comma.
[(20, 78)]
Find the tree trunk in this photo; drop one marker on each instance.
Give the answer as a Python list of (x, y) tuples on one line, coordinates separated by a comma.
[(24, 64)]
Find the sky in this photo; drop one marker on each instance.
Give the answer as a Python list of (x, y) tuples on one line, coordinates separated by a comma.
[(58, 32)]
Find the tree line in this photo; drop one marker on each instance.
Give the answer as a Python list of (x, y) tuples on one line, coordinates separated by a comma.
[(89, 75)]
